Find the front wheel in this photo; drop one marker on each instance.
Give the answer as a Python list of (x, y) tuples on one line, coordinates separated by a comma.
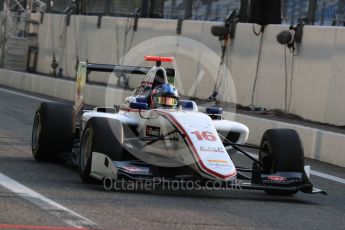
[(52, 131), (281, 151), (102, 135)]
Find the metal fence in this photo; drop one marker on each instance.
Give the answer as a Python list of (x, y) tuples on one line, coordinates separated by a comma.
[(96, 7), (211, 10), (330, 12), (318, 12), (321, 12)]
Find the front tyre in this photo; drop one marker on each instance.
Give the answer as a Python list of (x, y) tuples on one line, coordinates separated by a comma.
[(52, 131), (102, 135), (281, 151)]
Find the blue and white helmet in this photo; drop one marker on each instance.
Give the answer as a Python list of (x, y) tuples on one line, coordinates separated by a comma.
[(165, 95)]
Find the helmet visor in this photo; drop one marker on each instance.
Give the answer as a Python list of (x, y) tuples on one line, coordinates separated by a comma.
[(166, 101)]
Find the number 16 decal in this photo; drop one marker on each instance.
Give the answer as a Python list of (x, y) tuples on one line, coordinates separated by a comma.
[(207, 136)]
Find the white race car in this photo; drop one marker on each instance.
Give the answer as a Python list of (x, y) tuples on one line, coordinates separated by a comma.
[(155, 134)]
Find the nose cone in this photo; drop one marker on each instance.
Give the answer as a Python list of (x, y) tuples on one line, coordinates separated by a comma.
[(204, 143)]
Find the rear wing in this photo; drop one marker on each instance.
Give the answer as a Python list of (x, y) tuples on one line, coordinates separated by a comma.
[(85, 68), (124, 69)]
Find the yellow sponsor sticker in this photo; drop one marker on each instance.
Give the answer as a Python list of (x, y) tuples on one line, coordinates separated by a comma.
[(80, 86), (217, 161)]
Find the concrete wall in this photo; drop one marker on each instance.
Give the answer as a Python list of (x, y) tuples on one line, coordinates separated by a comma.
[(59, 88), (317, 77), (318, 144)]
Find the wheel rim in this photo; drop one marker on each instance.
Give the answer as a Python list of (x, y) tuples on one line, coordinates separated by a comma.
[(36, 131), (86, 148)]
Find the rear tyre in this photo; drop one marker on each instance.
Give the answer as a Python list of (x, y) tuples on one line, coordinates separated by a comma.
[(281, 151), (102, 135), (52, 131)]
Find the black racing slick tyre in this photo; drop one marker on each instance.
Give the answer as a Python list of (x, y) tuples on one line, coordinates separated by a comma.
[(52, 131), (281, 150), (101, 135)]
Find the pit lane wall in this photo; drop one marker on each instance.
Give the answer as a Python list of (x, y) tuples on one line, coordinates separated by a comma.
[(316, 73), (318, 144)]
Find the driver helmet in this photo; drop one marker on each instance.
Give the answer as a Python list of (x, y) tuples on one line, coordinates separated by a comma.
[(164, 96)]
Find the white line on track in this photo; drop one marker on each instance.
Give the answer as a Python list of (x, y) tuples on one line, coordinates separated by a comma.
[(68, 216), (315, 173), (327, 176)]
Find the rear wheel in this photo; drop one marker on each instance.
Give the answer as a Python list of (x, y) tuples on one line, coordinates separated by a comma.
[(281, 151), (52, 131), (102, 135)]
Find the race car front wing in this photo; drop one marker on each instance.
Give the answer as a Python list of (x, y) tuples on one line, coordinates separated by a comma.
[(141, 171)]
